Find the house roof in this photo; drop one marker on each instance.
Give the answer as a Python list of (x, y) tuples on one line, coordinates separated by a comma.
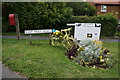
[(107, 3), (102, 0)]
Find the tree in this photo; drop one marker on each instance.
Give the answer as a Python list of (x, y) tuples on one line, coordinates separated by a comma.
[(82, 8), (36, 15)]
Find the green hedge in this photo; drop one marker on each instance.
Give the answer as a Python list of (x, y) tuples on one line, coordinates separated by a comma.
[(83, 19), (36, 15), (108, 22)]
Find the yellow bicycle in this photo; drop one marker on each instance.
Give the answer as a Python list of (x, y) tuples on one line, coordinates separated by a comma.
[(63, 37)]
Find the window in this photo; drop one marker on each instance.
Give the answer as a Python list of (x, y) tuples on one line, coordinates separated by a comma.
[(103, 8)]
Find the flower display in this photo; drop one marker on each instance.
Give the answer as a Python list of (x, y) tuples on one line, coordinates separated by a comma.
[(91, 53), (84, 52)]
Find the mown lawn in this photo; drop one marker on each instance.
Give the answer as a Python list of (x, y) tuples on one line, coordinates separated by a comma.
[(46, 61)]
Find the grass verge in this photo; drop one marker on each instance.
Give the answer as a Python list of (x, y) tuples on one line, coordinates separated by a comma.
[(46, 61)]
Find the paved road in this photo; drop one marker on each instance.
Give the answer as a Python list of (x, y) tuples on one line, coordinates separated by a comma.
[(110, 40), (41, 37), (24, 37), (6, 73)]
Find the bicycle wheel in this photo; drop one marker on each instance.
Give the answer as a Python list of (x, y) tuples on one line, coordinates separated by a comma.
[(71, 42), (53, 41)]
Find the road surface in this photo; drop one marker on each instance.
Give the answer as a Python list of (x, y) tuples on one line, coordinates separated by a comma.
[(41, 37)]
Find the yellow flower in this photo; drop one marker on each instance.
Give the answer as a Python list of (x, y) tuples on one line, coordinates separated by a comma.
[(86, 63), (71, 57), (107, 58), (81, 49), (102, 60), (98, 42), (108, 53), (100, 57), (93, 40), (60, 36)]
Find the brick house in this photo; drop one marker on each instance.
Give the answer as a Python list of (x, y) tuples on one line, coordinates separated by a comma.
[(106, 7)]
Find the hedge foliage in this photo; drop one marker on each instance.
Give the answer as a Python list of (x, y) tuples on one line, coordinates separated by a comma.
[(39, 15), (108, 22), (36, 15), (82, 8)]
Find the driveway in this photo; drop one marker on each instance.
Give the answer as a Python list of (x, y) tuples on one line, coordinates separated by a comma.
[(6, 74)]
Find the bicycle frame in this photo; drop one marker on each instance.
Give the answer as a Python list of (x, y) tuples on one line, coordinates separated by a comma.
[(63, 37)]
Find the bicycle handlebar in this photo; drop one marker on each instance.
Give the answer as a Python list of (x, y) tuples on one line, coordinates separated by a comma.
[(66, 29)]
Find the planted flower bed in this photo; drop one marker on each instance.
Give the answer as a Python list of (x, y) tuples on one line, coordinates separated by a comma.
[(85, 52), (90, 53)]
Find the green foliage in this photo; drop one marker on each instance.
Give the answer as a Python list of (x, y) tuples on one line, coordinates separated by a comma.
[(37, 15), (109, 24), (83, 19), (82, 8), (108, 21), (93, 54)]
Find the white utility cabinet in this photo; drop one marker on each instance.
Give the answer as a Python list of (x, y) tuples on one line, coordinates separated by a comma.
[(85, 31)]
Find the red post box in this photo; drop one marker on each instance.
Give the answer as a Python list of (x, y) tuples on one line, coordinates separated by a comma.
[(12, 19)]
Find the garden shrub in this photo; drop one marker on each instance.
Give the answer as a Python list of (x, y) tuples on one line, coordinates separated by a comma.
[(82, 8), (108, 22), (84, 52), (37, 15), (83, 19), (90, 53)]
